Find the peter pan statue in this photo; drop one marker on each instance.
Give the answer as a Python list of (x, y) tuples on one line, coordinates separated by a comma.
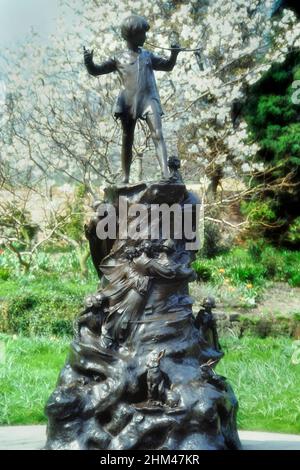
[(139, 98)]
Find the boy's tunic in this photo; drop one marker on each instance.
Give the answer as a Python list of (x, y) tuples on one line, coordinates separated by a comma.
[(136, 71)]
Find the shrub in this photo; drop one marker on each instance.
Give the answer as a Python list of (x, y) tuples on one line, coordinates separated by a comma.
[(259, 213), (293, 233), (17, 313), (246, 273), (203, 271), (4, 273), (294, 280), (213, 245), (296, 316), (256, 248), (273, 262), (47, 313), (43, 262), (62, 327)]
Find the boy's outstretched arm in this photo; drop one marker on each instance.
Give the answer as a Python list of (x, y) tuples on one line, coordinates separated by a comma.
[(106, 67), (166, 65)]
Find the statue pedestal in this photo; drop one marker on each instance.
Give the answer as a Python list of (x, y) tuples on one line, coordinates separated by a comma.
[(140, 374)]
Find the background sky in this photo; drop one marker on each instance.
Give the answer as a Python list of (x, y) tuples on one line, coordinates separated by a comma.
[(17, 17)]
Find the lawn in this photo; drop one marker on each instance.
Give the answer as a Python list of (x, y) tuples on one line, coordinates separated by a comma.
[(264, 378), (28, 373), (266, 382)]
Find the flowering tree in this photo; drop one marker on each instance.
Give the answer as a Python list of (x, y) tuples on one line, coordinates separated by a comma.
[(58, 121)]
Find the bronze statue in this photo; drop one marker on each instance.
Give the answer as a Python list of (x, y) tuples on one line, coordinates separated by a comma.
[(206, 321), (156, 380), (130, 282), (139, 99), (140, 371), (93, 315)]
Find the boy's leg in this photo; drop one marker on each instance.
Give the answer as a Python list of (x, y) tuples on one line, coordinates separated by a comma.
[(153, 119), (128, 126)]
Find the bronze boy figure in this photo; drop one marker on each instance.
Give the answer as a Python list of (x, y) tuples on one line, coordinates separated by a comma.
[(139, 99)]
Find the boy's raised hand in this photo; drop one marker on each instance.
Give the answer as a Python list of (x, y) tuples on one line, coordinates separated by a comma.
[(88, 55), (175, 47)]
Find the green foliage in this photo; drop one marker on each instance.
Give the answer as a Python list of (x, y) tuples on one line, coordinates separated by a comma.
[(45, 314), (4, 273), (263, 326), (294, 280), (46, 306), (296, 316), (273, 119), (273, 265), (246, 273), (293, 233), (235, 266), (45, 301), (203, 271), (265, 381), (16, 313), (259, 212), (243, 273), (256, 248), (213, 244)]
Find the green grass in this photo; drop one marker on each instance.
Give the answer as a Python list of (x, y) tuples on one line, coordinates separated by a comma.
[(40, 286), (265, 381), (27, 377)]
